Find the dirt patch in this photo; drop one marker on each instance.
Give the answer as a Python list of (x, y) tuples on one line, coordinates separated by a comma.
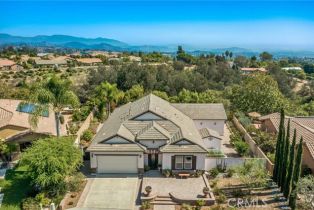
[(71, 199)]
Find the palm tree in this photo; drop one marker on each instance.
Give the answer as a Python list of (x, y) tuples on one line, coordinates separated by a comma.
[(54, 93), (106, 93)]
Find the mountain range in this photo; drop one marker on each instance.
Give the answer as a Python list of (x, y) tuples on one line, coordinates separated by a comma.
[(72, 42)]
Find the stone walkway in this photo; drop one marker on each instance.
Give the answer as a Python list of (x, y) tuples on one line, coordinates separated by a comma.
[(226, 146)]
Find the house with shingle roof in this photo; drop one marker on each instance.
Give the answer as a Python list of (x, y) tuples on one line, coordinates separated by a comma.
[(154, 133), (304, 127)]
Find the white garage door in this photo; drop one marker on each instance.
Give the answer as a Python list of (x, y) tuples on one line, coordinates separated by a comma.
[(116, 164)]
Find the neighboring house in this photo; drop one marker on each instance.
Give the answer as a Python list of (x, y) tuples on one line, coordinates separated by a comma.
[(252, 70), (51, 63), (89, 61), (154, 133), (304, 127), (292, 68), (6, 64), (15, 126)]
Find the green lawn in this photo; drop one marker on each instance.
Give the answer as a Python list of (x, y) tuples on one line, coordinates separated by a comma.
[(15, 188)]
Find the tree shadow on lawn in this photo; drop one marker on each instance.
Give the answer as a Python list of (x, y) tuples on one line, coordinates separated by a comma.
[(16, 186)]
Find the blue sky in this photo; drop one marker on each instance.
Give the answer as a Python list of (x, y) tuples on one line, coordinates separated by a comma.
[(205, 24)]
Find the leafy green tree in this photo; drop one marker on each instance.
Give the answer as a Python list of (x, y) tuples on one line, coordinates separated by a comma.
[(161, 94), (50, 161), (258, 93), (136, 92), (53, 92), (288, 181), (296, 175), (266, 56)]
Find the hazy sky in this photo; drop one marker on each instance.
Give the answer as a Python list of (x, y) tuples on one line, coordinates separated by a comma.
[(206, 24)]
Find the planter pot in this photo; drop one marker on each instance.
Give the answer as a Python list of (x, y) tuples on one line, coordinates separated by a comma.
[(206, 192), (148, 190)]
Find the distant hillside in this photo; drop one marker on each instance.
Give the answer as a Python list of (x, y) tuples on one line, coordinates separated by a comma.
[(60, 40), (72, 42)]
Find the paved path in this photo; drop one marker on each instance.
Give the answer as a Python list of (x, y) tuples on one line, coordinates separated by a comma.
[(226, 146), (106, 192), (164, 207)]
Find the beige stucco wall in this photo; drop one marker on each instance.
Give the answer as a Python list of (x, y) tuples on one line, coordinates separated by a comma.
[(308, 159), (216, 125)]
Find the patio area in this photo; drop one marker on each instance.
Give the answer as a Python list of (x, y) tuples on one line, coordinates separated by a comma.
[(186, 188)]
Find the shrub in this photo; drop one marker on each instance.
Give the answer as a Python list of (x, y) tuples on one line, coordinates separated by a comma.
[(214, 172), (186, 207), (213, 183), (242, 147), (87, 135), (230, 172), (166, 172), (30, 204), (145, 205), (200, 203), (215, 153), (221, 198), (42, 199), (75, 182)]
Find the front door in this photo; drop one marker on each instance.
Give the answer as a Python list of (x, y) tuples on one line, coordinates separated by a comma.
[(153, 161)]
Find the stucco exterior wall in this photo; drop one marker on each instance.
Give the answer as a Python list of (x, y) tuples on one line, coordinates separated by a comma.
[(140, 157), (307, 160), (212, 143), (166, 160), (216, 125)]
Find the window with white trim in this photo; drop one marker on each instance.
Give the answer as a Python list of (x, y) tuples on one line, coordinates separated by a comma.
[(184, 162), (187, 162), (179, 162)]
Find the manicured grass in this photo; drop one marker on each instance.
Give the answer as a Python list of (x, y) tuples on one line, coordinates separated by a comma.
[(15, 188)]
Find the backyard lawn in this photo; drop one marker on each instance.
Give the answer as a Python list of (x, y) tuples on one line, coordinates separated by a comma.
[(15, 188)]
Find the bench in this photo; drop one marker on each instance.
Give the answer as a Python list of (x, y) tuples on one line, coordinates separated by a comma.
[(185, 175)]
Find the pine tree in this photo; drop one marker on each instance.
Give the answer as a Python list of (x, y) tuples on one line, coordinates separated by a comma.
[(296, 175), (278, 145), (285, 159), (289, 177)]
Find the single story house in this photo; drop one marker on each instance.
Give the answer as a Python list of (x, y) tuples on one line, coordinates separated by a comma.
[(154, 133), (15, 126), (6, 64), (304, 127), (252, 70), (89, 61)]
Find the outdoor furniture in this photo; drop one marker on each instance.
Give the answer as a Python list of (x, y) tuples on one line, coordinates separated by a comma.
[(185, 175)]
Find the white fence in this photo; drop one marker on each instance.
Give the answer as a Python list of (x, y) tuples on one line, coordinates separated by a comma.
[(228, 162)]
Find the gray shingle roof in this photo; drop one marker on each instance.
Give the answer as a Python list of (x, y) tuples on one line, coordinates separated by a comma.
[(206, 132), (117, 148), (203, 111), (175, 125), (169, 148)]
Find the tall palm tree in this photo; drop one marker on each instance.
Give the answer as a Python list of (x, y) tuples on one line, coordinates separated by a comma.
[(53, 92)]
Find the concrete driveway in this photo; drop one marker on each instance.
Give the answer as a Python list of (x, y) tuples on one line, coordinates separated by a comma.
[(110, 192)]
